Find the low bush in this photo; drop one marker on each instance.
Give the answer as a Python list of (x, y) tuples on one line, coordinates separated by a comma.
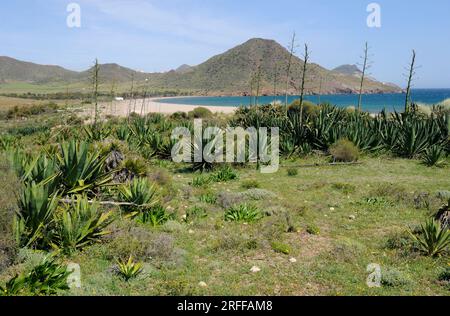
[(250, 184), (344, 151), (313, 229), (394, 278), (224, 174), (200, 113), (292, 172), (281, 248)]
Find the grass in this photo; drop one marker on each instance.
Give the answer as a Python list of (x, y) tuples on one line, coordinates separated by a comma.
[(327, 264), (358, 210)]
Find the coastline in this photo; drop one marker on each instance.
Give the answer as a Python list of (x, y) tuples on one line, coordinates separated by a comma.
[(151, 105)]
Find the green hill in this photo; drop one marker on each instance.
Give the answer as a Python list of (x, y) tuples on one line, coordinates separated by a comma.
[(229, 73)]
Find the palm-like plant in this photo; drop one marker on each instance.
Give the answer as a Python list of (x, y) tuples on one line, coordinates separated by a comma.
[(434, 156), (80, 169), (79, 225), (35, 216), (434, 239), (47, 278), (129, 269), (243, 212), (155, 216), (140, 193), (97, 132), (123, 132)]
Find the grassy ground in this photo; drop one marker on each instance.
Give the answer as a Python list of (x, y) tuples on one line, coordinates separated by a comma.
[(354, 232), (331, 222)]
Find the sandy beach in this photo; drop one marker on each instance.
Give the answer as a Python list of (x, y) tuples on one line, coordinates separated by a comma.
[(151, 105)]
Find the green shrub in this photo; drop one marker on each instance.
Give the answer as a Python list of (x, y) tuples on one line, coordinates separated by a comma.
[(433, 240), (434, 156), (209, 198), (195, 213), (344, 187), (129, 269), (35, 218), (200, 113), (136, 166), (309, 108), (81, 170), (201, 181), (250, 184), (80, 224), (243, 213), (292, 172), (225, 174), (140, 193), (313, 229), (281, 248), (394, 278), (344, 151), (444, 276), (155, 216), (48, 278)]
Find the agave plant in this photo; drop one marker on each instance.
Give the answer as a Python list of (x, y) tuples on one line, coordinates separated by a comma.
[(155, 216), (123, 133), (434, 239), (224, 174), (129, 269), (8, 142), (15, 286), (434, 156), (140, 193), (200, 162), (41, 169), (35, 217), (243, 212), (97, 132), (47, 278), (80, 224), (80, 169)]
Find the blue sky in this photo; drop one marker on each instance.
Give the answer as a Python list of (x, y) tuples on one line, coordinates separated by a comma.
[(159, 35)]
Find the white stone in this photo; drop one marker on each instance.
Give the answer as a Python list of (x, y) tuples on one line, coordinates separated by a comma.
[(292, 260)]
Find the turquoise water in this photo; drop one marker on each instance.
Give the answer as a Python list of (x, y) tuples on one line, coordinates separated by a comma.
[(371, 102)]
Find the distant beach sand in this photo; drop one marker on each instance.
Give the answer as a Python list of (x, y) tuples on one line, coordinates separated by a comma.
[(151, 105)]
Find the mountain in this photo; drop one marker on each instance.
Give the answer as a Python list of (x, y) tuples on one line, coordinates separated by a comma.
[(230, 73), (351, 70), (112, 72), (183, 68), (21, 71)]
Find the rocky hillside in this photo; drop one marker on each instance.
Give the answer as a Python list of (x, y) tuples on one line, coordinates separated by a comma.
[(229, 73)]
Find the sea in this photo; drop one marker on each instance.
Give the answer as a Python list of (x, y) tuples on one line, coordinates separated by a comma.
[(373, 103)]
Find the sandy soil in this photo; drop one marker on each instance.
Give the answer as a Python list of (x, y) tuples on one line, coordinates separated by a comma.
[(123, 108)]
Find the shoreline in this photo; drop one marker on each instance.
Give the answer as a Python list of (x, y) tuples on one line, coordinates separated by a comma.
[(151, 105)]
